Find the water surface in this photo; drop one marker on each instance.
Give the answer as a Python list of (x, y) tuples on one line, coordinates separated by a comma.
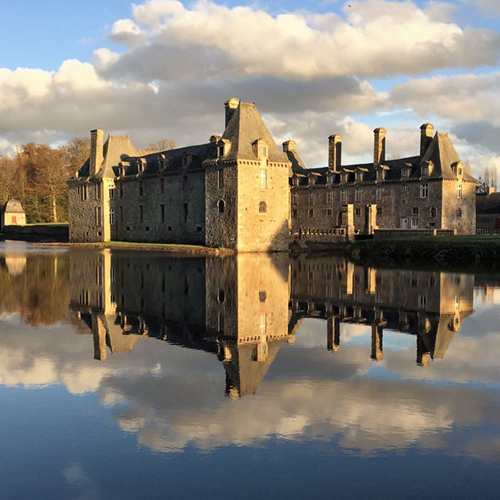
[(137, 375)]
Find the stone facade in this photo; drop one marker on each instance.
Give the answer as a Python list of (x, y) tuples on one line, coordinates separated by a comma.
[(429, 191), (240, 191), (231, 192)]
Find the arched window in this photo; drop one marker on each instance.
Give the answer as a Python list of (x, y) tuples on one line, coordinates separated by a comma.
[(433, 212), (221, 206), (262, 207)]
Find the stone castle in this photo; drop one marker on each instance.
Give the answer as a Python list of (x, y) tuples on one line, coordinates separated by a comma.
[(241, 192)]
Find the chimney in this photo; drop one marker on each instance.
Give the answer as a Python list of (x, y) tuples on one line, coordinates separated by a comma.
[(231, 105), (289, 146), (426, 134), (379, 146), (334, 152), (96, 151)]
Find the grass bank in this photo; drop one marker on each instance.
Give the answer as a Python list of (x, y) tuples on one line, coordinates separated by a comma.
[(149, 247), (461, 252)]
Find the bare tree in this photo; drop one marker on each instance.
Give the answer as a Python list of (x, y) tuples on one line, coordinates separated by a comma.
[(162, 145)]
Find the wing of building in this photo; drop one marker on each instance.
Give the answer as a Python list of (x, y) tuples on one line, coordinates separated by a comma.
[(240, 191)]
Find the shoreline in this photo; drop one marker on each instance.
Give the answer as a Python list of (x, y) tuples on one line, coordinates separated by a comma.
[(190, 250)]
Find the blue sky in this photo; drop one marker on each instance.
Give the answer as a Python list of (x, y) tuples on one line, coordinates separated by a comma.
[(162, 69)]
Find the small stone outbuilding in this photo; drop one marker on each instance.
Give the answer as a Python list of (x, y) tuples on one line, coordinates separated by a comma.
[(12, 214)]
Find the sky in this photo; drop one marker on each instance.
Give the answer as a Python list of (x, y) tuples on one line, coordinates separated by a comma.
[(163, 69)]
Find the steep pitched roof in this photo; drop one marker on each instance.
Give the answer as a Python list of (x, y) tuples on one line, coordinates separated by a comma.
[(244, 128), (116, 149), (443, 155)]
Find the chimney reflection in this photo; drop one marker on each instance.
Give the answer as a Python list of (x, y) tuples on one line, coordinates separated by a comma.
[(244, 309)]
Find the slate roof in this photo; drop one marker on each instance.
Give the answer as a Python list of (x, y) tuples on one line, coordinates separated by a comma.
[(244, 128), (440, 152), (488, 203)]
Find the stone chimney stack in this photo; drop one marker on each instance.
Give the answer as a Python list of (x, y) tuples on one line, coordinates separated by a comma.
[(379, 146), (335, 153), (231, 105), (96, 151), (289, 146), (426, 134)]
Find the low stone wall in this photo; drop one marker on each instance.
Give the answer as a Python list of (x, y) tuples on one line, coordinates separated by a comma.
[(331, 235), (382, 234), (37, 232)]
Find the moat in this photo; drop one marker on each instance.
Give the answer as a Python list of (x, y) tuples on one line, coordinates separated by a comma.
[(127, 374)]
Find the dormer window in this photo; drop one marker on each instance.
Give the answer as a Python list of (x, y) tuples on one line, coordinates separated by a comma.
[(223, 147), (406, 170), (221, 150), (140, 165), (425, 170), (343, 177), (161, 162), (380, 175), (458, 168), (261, 147), (359, 176)]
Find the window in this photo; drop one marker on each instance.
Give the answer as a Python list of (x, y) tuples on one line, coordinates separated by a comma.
[(414, 223), (358, 212), (414, 210), (141, 213), (220, 206), (111, 193), (357, 195), (97, 191), (121, 190), (343, 178), (162, 211), (459, 191), (112, 217), (98, 216), (460, 171), (422, 301), (378, 194), (359, 176), (329, 197), (329, 212), (263, 151), (342, 196), (459, 212), (311, 199), (84, 193), (220, 178), (262, 207), (433, 212), (221, 150), (424, 170), (405, 172), (162, 186), (263, 178), (405, 189), (311, 213), (262, 295), (424, 190), (294, 212), (294, 198), (380, 175)]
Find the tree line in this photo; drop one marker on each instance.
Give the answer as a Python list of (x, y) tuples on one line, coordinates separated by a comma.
[(36, 176)]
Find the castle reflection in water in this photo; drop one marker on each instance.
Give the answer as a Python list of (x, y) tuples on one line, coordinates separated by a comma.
[(243, 309)]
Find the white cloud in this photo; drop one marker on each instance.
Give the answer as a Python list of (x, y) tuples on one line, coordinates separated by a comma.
[(236, 41), (127, 32)]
